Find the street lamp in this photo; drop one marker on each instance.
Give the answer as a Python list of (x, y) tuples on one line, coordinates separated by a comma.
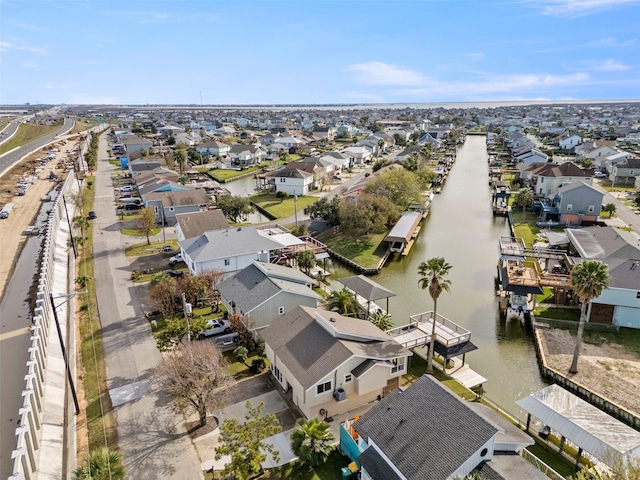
[(54, 307)]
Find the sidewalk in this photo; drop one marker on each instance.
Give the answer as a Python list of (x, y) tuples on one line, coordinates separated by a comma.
[(153, 440)]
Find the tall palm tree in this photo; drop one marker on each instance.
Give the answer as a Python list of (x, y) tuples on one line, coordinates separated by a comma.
[(103, 464), (588, 279), (523, 198), (312, 441), (433, 273), (343, 301)]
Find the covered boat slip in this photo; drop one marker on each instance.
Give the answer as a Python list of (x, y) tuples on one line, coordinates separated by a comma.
[(367, 291), (584, 425), (404, 231)]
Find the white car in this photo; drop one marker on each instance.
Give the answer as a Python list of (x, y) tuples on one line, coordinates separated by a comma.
[(600, 175), (176, 259), (215, 326), (126, 188)]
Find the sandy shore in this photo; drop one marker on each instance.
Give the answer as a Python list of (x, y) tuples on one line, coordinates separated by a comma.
[(607, 369)]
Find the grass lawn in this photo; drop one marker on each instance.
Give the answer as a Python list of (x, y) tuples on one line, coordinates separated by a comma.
[(366, 251), (627, 337), (222, 175), (27, 133), (281, 208), (82, 125), (555, 461), (547, 310), (144, 249), (525, 226), (136, 232)]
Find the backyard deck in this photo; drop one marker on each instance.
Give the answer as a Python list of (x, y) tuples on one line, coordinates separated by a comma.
[(418, 332)]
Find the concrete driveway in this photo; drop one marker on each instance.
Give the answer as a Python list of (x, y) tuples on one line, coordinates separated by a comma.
[(256, 390)]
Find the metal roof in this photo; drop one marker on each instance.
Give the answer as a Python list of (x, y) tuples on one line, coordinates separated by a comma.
[(583, 424), (366, 288)]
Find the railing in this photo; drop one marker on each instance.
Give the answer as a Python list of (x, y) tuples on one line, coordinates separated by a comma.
[(459, 334), (540, 465), (31, 417)]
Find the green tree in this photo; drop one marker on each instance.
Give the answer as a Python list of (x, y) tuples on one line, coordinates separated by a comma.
[(102, 464), (147, 222), (241, 353), (382, 320), (412, 162), (587, 280), (81, 222), (234, 207), (343, 301), (327, 210), (432, 277), (195, 377), (180, 158), (366, 214), (610, 208), (306, 260), (399, 185), (244, 442), (312, 441), (523, 198)]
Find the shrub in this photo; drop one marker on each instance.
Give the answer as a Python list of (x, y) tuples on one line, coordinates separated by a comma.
[(257, 365)]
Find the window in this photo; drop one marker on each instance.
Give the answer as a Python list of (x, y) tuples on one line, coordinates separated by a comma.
[(280, 310), (569, 207), (347, 378), (591, 208), (637, 294), (283, 180), (276, 373), (398, 364), (227, 262), (323, 387)]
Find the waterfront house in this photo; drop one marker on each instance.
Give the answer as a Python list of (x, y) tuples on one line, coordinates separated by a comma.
[(415, 434), (214, 148), (265, 291), (294, 179), (578, 203), (619, 304), (329, 364), (548, 178), (246, 155), (531, 156), (358, 155)]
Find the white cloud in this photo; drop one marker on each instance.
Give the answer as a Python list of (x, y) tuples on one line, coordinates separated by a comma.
[(380, 73), (578, 8), (475, 57), (30, 65), (611, 66), (17, 45), (499, 85)]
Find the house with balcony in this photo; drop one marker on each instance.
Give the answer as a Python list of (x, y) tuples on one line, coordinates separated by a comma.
[(214, 148), (548, 178), (329, 364), (246, 155), (293, 179), (427, 432), (168, 204)]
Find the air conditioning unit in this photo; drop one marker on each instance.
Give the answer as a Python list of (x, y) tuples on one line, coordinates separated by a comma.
[(339, 394)]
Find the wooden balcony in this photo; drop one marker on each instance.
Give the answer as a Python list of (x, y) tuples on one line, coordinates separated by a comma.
[(418, 332)]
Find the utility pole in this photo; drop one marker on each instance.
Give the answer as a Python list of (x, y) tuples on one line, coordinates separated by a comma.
[(295, 207), (186, 306)]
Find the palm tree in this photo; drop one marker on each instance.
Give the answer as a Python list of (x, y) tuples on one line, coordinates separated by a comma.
[(523, 198), (343, 301), (312, 441), (588, 279), (103, 464), (433, 273), (382, 320)]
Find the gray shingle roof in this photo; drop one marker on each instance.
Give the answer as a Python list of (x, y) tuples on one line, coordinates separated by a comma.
[(194, 224), (310, 352), (426, 431), (376, 466), (250, 288), (227, 243)]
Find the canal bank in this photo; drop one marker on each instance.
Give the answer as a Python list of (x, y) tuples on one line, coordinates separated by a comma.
[(461, 228)]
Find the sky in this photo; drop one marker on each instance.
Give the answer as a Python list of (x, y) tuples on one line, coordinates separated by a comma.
[(225, 52)]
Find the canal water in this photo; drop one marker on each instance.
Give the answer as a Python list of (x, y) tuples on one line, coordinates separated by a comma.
[(462, 229), (244, 187)]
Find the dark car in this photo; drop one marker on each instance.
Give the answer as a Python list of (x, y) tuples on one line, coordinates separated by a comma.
[(92, 215), (174, 273)]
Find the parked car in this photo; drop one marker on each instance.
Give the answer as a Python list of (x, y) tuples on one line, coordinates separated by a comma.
[(176, 259), (92, 215), (600, 175), (126, 188), (167, 248), (174, 273), (215, 326)]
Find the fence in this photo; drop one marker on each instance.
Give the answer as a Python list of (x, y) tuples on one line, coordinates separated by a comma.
[(26, 457)]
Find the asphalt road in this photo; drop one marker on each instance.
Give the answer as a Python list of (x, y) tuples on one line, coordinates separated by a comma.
[(9, 159), (152, 439)]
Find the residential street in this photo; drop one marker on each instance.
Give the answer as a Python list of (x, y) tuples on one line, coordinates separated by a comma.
[(153, 440)]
